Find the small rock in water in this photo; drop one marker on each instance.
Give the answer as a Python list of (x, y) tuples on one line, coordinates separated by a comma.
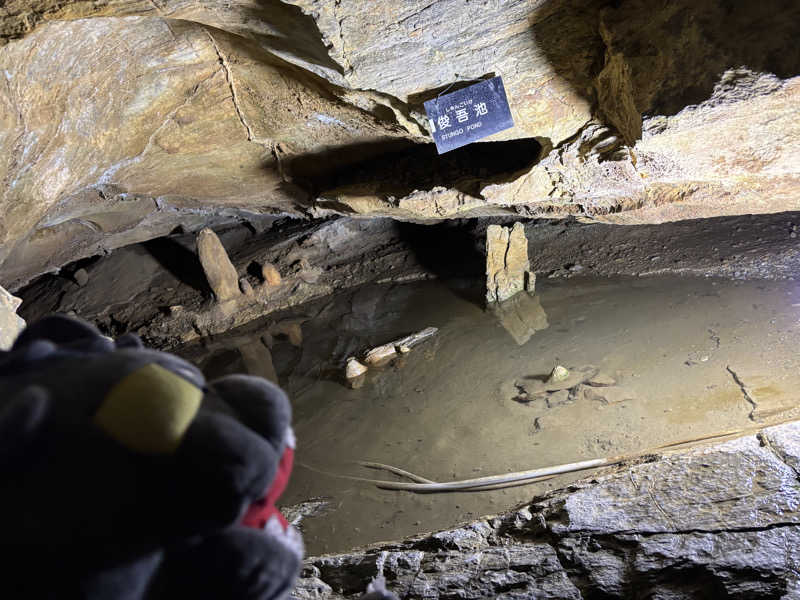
[(354, 368), (558, 373), (81, 277), (380, 355), (355, 373)]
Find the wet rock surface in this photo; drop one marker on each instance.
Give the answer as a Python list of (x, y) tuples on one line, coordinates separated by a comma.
[(717, 521)]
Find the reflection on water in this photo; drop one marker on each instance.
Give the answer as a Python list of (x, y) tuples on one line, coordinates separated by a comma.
[(652, 361), (521, 316)]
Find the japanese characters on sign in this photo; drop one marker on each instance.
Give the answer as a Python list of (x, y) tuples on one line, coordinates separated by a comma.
[(468, 114)]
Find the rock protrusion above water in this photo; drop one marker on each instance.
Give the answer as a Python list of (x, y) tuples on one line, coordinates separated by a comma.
[(10, 323), (220, 272), (564, 386), (507, 265), (355, 372), (558, 374)]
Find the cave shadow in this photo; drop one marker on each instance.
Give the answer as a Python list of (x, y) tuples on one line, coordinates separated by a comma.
[(179, 261), (296, 33), (452, 253), (674, 52), (401, 167)]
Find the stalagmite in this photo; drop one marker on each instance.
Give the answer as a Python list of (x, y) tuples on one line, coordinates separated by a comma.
[(507, 266), (220, 272), (270, 274)]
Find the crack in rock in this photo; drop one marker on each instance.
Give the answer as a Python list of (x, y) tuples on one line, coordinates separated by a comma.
[(229, 78), (746, 393)]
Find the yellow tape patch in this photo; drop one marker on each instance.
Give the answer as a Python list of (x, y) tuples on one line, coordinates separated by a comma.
[(149, 410)]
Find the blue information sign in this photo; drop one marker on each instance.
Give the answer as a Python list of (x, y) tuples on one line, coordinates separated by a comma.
[(468, 114)]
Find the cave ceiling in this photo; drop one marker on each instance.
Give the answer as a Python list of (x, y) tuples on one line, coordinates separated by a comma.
[(122, 120)]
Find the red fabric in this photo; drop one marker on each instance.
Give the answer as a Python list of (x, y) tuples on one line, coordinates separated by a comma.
[(262, 510)]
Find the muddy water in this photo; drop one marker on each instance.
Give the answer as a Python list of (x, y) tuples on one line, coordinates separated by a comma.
[(453, 407)]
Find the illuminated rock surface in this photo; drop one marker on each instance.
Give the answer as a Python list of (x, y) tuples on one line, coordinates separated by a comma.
[(122, 120)]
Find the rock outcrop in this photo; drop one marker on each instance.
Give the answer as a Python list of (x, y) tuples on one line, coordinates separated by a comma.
[(220, 272), (11, 324), (122, 120), (714, 522), (508, 270)]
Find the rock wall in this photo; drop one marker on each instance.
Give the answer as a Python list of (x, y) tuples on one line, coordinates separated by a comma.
[(122, 120), (714, 522), (10, 323)]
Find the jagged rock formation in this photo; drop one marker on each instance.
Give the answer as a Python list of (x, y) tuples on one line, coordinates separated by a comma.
[(714, 522), (10, 323), (508, 271), (122, 120)]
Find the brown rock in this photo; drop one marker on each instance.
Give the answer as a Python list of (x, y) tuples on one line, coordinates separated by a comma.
[(220, 272), (507, 265), (270, 274)]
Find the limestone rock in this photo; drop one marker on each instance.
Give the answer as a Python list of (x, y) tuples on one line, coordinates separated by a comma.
[(355, 373), (380, 355), (507, 266), (246, 287), (10, 323), (270, 274), (717, 521), (558, 374), (81, 277), (642, 113), (205, 123), (220, 272)]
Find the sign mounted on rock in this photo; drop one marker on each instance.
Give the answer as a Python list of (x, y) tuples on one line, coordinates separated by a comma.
[(468, 114)]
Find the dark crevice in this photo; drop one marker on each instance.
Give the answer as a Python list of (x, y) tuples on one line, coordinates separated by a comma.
[(399, 172), (631, 58), (178, 260)]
